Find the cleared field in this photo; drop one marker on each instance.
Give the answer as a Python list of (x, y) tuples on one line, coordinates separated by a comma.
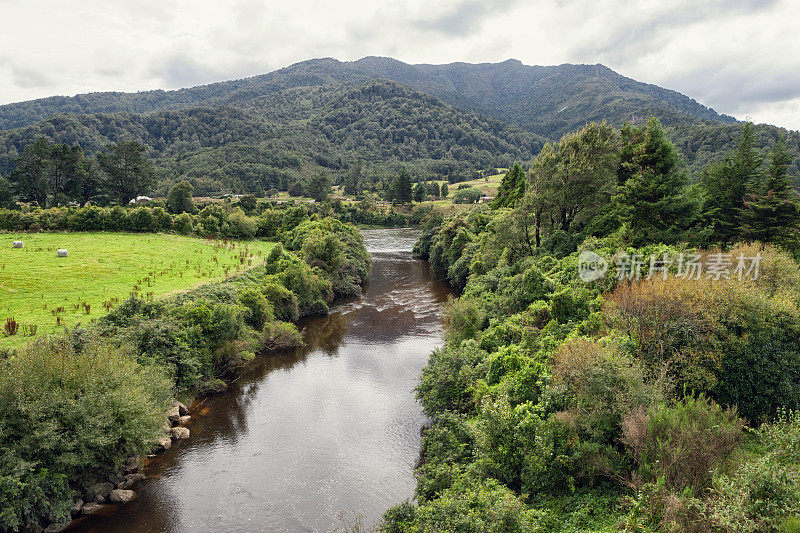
[(43, 293)]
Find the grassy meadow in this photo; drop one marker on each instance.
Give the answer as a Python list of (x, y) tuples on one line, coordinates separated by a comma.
[(43, 293)]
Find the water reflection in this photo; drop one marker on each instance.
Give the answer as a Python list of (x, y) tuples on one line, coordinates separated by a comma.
[(301, 438)]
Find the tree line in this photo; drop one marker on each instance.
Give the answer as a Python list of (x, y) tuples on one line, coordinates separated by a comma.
[(52, 174), (600, 180)]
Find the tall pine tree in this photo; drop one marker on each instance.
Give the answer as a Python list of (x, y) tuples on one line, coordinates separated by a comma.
[(512, 188), (657, 203), (726, 184), (771, 213)]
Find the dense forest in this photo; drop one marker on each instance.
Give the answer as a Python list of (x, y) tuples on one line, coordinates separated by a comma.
[(653, 396), (287, 138)]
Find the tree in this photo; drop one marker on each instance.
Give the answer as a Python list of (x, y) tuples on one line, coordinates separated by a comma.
[(419, 192), (402, 187), (352, 183), (6, 195), (433, 189), (726, 185), (319, 187), (30, 176), (127, 171), (771, 212), (512, 188), (657, 203), (68, 170), (573, 178), (443, 191), (90, 185), (179, 199)]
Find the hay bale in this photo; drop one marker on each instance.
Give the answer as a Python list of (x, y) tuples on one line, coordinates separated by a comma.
[(61, 253), (18, 244)]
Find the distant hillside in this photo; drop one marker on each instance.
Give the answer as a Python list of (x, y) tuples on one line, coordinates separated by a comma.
[(274, 140), (547, 100)]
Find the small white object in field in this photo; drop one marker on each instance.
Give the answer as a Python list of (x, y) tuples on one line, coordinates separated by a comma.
[(18, 244), (61, 253)]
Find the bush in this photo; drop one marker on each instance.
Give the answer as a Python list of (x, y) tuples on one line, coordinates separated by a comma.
[(258, 311), (109, 406), (283, 301), (469, 195), (462, 318), (281, 336)]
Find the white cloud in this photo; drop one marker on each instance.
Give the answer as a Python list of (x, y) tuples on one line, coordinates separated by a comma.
[(737, 56)]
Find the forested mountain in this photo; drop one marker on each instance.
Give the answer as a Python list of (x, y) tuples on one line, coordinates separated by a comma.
[(548, 100), (283, 137), (271, 130)]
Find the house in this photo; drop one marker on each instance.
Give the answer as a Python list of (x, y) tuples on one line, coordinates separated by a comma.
[(141, 200), (486, 199)]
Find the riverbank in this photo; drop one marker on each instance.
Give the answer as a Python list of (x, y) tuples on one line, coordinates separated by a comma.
[(192, 341), (310, 438)]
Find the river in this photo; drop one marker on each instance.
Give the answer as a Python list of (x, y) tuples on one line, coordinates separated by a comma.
[(312, 440)]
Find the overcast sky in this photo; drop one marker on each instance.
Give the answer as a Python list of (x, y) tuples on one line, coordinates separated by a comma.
[(741, 57)]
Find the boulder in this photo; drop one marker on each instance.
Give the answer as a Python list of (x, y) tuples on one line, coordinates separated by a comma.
[(122, 496), (18, 244), (174, 414), (184, 420), (182, 409), (164, 443), (116, 480), (131, 480), (90, 508), (99, 492), (61, 252), (180, 433), (76, 509), (55, 527)]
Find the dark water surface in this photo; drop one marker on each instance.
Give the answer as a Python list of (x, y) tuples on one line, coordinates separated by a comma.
[(307, 441)]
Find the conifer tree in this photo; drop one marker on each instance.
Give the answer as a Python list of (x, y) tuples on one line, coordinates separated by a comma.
[(726, 184), (656, 201), (771, 212), (512, 188)]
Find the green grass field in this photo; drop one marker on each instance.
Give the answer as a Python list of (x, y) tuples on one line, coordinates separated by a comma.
[(103, 269)]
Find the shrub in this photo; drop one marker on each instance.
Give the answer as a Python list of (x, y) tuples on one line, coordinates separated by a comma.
[(109, 406), (283, 301), (183, 224), (462, 318), (258, 311), (240, 226), (281, 336), (469, 195), (682, 443), (448, 379)]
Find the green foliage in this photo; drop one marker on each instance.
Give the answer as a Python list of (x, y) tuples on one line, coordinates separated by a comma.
[(512, 188), (281, 336), (469, 195), (258, 310), (71, 412), (658, 205), (127, 171), (179, 199), (284, 302), (401, 188)]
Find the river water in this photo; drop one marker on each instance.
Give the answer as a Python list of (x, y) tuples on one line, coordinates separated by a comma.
[(312, 440)]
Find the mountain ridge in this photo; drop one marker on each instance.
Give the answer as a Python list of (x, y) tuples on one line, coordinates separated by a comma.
[(547, 100)]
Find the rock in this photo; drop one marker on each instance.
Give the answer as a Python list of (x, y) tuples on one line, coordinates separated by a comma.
[(184, 420), (18, 244), (90, 508), (180, 433), (56, 527), (164, 443), (99, 490), (76, 509), (116, 480), (122, 496), (62, 253), (99, 499), (174, 414), (182, 409), (131, 480)]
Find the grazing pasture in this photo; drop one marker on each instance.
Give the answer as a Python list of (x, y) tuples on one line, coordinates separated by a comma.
[(41, 293)]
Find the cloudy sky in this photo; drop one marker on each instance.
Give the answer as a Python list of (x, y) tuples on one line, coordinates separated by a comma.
[(741, 57)]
